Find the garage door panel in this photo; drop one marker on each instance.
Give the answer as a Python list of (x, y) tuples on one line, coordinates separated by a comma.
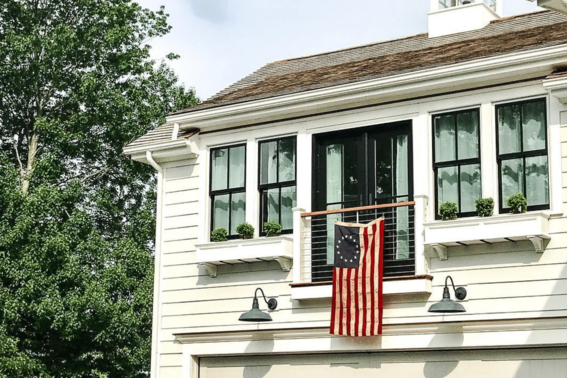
[(528, 363)]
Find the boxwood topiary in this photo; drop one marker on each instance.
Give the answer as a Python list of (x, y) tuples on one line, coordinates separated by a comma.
[(517, 203), (484, 207), (448, 210), (272, 228), (219, 235), (245, 230)]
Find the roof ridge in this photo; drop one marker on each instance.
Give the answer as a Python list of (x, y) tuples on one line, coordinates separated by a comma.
[(509, 18)]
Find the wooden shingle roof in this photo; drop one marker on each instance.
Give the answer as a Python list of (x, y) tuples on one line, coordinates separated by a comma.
[(513, 34), (380, 60)]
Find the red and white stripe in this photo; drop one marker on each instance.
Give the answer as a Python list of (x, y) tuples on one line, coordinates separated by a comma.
[(357, 293)]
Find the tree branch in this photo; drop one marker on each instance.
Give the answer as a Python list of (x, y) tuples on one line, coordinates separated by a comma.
[(18, 156)]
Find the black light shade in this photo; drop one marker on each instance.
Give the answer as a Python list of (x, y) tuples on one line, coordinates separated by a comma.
[(447, 305), (255, 315)]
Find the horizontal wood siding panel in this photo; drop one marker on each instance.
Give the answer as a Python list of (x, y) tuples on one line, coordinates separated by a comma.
[(182, 233), (181, 197), (481, 293), (487, 308), (180, 270), (181, 221), (177, 246), (184, 258), (245, 289), (239, 275), (171, 360), (178, 209), (168, 347), (188, 169), (173, 372), (189, 183), (506, 274)]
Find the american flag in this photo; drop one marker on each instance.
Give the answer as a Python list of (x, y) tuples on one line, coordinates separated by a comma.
[(357, 279)]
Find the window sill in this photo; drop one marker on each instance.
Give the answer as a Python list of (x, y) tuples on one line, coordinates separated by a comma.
[(532, 226), (277, 248), (392, 285)]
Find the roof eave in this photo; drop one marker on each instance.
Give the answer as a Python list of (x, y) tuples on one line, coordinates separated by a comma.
[(557, 87), (461, 75), (168, 151)]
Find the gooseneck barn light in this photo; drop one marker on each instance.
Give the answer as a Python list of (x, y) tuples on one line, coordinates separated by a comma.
[(255, 315), (447, 305)]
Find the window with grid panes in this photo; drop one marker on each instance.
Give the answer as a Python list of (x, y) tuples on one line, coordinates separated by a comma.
[(443, 4), (277, 182), (457, 159), (491, 4), (522, 152), (228, 188)]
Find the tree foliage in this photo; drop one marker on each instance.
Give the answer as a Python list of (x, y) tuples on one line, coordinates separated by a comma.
[(76, 215)]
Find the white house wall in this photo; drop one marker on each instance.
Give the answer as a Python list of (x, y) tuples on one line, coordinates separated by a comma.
[(504, 281)]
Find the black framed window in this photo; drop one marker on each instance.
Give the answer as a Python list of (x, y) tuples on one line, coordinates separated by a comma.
[(456, 138), (522, 152), (277, 182), (228, 188)]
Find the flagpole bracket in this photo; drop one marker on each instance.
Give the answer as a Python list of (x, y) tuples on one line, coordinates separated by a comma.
[(441, 250)]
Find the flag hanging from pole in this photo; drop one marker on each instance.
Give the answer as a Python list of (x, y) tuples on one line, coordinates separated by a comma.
[(357, 279)]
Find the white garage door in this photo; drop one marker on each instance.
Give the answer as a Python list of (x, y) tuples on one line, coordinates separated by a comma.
[(525, 363)]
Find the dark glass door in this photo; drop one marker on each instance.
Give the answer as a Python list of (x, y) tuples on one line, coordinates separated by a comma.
[(359, 168)]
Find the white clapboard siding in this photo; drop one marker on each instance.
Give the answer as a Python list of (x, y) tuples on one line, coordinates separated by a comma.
[(187, 168), (503, 280), (181, 221), (182, 233), (181, 209), (178, 246), (181, 185), (170, 371), (182, 258), (179, 270), (225, 292), (170, 347), (203, 280), (182, 196), (171, 359)]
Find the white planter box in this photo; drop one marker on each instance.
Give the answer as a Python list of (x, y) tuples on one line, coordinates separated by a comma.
[(278, 248), (533, 226)]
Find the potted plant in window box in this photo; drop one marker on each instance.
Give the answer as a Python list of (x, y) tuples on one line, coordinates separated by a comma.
[(272, 228), (219, 235), (517, 203), (484, 207), (245, 230), (448, 210)]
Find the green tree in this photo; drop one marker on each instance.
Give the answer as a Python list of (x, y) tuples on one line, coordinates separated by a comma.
[(76, 215)]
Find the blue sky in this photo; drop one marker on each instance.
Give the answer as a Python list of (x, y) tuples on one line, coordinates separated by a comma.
[(221, 41)]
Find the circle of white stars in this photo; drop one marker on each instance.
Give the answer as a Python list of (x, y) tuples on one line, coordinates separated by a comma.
[(356, 246)]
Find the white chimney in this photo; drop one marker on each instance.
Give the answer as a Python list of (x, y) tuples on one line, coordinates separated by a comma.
[(456, 16)]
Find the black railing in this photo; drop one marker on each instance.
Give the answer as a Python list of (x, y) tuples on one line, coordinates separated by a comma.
[(318, 239)]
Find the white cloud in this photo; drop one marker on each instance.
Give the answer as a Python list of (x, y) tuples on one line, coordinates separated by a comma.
[(215, 11)]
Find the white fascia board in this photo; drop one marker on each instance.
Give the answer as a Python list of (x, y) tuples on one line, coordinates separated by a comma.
[(435, 80), (162, 152), (557, 87)]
